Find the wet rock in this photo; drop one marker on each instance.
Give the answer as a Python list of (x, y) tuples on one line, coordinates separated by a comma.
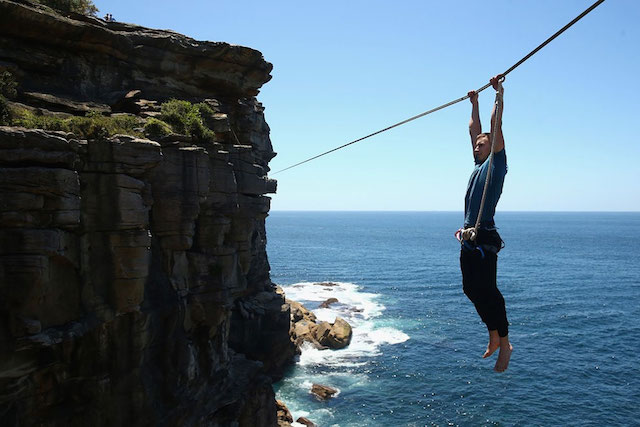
[(306, 421), (328, 302), (303, 324), (323, 392), (335, 336), (300, 312), (284, 415), (326, 284)]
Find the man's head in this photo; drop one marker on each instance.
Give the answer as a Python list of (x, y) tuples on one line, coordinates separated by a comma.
[(482, 148)]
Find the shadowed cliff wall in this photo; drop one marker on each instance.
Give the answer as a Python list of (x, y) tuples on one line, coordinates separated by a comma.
[(134, 280)]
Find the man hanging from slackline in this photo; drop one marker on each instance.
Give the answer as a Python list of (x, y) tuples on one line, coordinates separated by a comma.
[(479, 253)]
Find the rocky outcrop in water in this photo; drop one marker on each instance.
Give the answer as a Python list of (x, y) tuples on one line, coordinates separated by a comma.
[(134, 280), (323, 335), (334, 335), (323, 392)]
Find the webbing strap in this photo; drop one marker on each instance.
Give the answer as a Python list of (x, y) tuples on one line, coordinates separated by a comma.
[(455, 101)]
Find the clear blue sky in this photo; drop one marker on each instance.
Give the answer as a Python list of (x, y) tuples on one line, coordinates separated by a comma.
[(343, 69)]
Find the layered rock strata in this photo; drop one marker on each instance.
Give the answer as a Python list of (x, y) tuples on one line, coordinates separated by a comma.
[(134, 280)]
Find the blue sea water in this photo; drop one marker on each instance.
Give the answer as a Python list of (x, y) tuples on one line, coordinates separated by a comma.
[(571, 282)]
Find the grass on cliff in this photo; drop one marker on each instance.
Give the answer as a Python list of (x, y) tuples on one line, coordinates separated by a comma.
[(180, 117), (92, 126)]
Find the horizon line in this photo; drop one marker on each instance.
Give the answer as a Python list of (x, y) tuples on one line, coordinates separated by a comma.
[(450, 211)]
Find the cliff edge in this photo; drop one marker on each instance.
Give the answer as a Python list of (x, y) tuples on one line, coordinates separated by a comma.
[(134, 280)]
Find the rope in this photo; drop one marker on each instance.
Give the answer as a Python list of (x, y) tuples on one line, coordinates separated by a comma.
[(494, 132), (455, 101)]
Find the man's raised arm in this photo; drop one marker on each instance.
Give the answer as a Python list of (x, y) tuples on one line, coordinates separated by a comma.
[(497, 121), (475, 127)]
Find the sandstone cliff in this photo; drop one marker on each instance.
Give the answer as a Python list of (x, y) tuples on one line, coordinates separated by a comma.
[(134, 280)]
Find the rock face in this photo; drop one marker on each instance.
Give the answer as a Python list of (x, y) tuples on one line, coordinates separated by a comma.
[(134, 280), (88, 58)]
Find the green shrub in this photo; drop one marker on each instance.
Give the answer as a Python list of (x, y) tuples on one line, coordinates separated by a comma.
[(187, 119), (92, 126), (174, 112), (197, 129), (88, 128), (8, 85), (5, 114), (96, 126), (206, 113), (85, 7), (155, 128)]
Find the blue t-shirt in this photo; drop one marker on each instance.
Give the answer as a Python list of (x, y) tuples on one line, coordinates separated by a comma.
[(476, 187)]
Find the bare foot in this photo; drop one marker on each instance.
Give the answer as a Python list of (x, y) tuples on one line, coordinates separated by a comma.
[(494, 343), (504, 355)]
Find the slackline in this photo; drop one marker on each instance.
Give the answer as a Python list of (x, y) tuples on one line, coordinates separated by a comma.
[(455, 101)]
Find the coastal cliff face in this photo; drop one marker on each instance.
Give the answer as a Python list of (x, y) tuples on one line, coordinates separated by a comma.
[(134, 280)]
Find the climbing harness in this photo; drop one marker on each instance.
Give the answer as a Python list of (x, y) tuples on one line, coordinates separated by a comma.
[(455, 101), (491, 242)]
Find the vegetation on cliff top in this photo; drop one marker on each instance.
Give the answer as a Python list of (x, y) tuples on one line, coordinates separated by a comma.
[(176, 116), (92, 126), (188, 119), (183, 117), (85, 7)]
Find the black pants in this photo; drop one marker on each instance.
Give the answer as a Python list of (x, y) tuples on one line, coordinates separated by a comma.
[(479, 284)]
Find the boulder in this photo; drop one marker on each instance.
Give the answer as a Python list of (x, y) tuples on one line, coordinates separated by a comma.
[(323, 392), (326, 284), (328, 302), (300, 312), (337, 335), (306, 421), (321, 333), (128, 103), (284, 415)]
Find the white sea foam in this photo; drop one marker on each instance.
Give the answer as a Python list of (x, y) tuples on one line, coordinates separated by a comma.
[(353, 304), (323, 413), (359, 309), (389, 336), (363, 311), (306, 385)]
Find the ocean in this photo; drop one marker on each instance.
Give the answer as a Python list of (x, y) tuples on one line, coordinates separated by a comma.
[(571, 282)]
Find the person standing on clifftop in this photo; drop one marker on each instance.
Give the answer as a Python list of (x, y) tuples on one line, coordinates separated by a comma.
[(479, 256)]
